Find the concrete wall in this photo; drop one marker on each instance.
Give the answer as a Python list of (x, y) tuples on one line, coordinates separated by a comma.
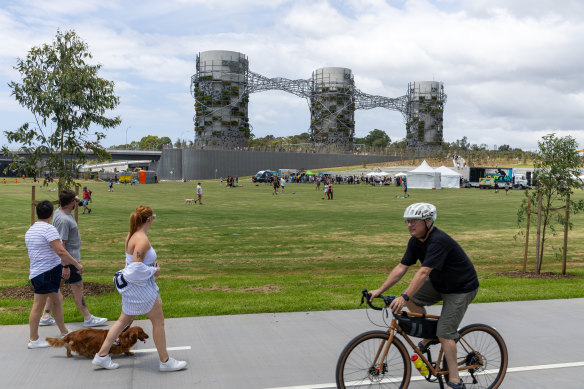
[(192, 164)]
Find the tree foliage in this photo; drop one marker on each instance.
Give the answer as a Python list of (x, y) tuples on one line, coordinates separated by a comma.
[(149, 142), (556, 175), (376, 138), (68, 100)]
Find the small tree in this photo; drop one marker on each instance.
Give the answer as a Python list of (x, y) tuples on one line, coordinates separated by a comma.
[(377, 138), (556, 168), (67, 98)]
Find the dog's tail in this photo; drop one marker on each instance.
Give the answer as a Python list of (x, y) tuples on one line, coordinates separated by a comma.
[(56, 342)]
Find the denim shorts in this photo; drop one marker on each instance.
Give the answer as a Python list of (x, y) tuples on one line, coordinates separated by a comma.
[(74, 277), (84, 202), (453, 308), (48, 282)]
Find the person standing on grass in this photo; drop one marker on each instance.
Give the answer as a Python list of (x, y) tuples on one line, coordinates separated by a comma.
[(68, 230), (282, 184), (446, 274), (325, 193), (137, 285), (47, 255), (199, 194), (276, 184), (86, 200)]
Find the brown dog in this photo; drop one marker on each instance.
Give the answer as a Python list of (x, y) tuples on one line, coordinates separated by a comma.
[(190, 201), (87, 342)]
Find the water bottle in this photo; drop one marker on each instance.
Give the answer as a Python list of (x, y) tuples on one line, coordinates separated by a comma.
[(421, 366)]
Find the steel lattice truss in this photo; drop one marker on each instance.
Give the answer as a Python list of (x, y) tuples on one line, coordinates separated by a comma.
[(365, 101), (304, 88), (258, 83), (221, 96)]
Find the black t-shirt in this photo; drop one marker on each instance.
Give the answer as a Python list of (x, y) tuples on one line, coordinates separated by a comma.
[(453, 272)]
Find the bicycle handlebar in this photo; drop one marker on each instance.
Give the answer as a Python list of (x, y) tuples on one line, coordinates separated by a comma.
[(365, 296)]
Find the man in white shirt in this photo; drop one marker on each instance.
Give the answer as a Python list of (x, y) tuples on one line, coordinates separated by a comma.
[(47, 255)]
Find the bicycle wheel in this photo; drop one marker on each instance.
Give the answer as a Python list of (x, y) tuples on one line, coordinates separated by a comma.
[(482, 344), (357, 367)]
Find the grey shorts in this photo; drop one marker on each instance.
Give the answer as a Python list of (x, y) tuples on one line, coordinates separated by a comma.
[(453, 308)]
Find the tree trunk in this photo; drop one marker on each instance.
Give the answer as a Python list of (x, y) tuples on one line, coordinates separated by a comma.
[(566, 224), (527, 235), (546, 216), (538, 238)]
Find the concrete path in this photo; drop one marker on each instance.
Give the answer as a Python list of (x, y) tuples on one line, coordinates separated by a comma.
[(296, 350)]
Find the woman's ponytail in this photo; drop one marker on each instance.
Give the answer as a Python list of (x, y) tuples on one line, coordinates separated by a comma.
[(139, 217)]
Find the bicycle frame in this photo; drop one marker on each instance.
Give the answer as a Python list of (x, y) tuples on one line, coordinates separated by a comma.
[(433, 369)]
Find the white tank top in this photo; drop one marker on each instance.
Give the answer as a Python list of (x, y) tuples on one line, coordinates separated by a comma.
[(149, 258)]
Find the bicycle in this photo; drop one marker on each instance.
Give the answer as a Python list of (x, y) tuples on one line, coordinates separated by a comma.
[(379, 359)]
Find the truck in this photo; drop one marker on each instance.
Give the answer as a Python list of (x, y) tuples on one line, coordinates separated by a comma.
[(496, 177)]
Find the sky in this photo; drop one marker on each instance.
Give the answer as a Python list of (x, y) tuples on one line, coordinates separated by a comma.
[(512, 69)]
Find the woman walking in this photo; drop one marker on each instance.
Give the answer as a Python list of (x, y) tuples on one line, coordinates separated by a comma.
[(137, 285)]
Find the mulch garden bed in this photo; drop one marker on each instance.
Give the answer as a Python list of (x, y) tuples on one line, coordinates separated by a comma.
[(27, 293), (543, 276)]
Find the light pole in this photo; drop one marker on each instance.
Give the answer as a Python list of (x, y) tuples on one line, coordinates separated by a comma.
[(127, 128), (181, 136)]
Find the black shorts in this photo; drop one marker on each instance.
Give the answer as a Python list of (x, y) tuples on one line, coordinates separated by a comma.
[(48, 282), (74, 277)]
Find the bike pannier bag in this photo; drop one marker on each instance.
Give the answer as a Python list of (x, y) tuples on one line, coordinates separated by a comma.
[(419, 327)]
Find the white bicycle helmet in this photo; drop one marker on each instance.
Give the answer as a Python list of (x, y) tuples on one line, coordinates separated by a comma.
[(420, 211)]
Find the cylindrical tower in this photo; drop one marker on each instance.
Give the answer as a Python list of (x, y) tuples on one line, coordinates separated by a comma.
[(221, 119), (332, 108), (424, 115)]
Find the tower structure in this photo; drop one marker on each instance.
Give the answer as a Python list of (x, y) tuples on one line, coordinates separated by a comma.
[(219, 89), (424, 113), (332, 108), (223, 82)]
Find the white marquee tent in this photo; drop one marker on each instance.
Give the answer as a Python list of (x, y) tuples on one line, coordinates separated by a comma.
[(448, 177), (423, 177)]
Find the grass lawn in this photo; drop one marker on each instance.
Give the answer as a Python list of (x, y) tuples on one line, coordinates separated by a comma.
[(246, 250)]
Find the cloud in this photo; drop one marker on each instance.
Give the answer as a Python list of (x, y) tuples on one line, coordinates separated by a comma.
[(509, 67)]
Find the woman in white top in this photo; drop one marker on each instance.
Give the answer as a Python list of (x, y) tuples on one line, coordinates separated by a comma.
[(47, 255), (137, 285)]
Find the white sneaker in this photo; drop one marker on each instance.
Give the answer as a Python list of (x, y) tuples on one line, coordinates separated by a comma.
[(94, 321), (39, 343), (49, 321), (105, 362), (172, 365)]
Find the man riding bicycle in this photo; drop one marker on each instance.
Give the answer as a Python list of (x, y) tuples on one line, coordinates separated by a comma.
[(446, 274)]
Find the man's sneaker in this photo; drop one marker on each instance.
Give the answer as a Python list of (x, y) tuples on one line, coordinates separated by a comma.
[(39, 343), (105, 362), (456, 386), (89, 210), (94, 321), (172, 365), (49, 321)]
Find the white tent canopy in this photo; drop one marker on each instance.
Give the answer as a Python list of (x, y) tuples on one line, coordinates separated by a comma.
[(377, 174), (448, 177), (423, 177)]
